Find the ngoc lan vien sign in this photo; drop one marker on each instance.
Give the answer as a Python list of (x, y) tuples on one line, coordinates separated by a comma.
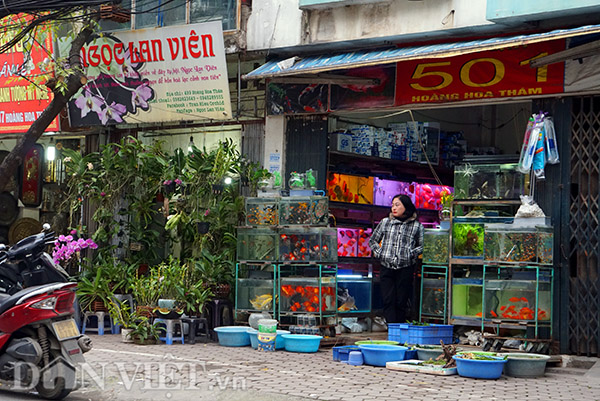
[(154, 75)]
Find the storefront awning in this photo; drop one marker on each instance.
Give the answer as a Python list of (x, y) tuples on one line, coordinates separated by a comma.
[(295, 66)]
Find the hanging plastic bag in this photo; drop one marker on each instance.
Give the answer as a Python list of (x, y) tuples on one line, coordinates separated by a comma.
[(529, 144), (529, 208), (551, 147), (539, 156)]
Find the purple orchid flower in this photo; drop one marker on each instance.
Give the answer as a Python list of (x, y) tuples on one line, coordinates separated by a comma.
[(113, 112), (128, 69), (140, 96), (87, 102)]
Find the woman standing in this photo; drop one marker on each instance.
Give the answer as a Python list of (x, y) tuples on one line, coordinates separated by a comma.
[(397, 242)]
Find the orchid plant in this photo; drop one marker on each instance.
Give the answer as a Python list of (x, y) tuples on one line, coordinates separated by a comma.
[(66, 245)]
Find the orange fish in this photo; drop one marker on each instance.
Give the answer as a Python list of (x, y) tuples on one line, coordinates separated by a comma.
[(478, 314), (515, 299), (524, 299), (493, 313), (503, 307)]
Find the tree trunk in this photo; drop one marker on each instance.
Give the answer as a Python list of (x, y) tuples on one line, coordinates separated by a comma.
[(75, 80)]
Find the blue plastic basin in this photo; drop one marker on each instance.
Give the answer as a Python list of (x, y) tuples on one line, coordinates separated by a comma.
[(301, 342), (380, 354), (279, 341), (479, 368), (233, 336)]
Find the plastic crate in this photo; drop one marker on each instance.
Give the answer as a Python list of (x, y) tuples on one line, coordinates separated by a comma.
[(340, 354), (413, 334)]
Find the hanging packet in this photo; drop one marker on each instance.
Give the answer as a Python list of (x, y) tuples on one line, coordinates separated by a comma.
[(528, 148), (539, 156), (551, 147)]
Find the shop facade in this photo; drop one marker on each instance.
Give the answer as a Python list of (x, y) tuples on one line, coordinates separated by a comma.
[(481, 84)]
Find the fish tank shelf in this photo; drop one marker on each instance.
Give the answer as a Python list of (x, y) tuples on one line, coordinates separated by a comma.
[(489, 181)]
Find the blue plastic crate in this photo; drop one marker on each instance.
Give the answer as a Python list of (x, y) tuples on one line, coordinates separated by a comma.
[(406, 333), (341, 353)]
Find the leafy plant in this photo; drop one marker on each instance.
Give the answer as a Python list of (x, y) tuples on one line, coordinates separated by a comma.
[(142, 329), (94, 288), (121, 313)]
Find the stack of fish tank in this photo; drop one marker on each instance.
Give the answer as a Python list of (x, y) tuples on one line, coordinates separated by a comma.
[(307, 288), (505, 243), (262, 211), (520, 294), (303, 210), (255, 289), (488, 181)]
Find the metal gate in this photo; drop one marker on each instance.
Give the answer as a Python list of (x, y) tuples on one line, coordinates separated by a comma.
[(584, 283)]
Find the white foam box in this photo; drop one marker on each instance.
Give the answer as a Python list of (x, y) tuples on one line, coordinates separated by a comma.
[(340, 142)]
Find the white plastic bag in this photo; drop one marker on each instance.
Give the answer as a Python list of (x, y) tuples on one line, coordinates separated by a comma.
[(529, 208)]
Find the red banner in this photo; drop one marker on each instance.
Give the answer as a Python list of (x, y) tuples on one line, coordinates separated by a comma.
[(22, 102), (490, 74)]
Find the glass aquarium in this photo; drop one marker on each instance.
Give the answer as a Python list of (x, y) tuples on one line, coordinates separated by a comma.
[(299, 244), (466, 297), (489, 181), (307, 288), (504, 243), (385, 190), (350, 188), (435, 246), (347, 242), (255, 287), (429, 196), (545, 245), (257, 244), (354, 294), (303, 210), (510, 293), (328, 245), (467, 238), (262, 211), (433, 296), (364, 235)]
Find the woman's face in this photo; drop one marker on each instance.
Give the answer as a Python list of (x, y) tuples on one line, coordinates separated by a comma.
[(398, 208)]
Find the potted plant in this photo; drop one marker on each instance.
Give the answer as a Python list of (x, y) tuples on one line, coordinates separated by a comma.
[(192, 299), (93, 290), (216, 273), (122, 315), (144, 332), (146, 291)]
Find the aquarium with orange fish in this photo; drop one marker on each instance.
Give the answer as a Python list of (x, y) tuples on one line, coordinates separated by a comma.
[(507, 244), (467, 296), (433, 292), (364, 250), (354, 293), (307, 288), (350, 188), (257, 244), (308, 244), (347, 242), (510, 293), (429, 196), (255, 288), (385, 190), (262, 211)]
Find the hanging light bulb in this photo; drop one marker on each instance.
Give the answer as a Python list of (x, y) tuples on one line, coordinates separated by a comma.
[(191, 144), (51, 151), (228, 180)]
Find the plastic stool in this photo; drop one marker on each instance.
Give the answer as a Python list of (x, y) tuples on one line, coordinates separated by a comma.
[(196, 323), (220, 314), (169, 329), (101, 318)]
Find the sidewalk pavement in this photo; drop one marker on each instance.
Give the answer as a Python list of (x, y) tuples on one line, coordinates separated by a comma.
[(119, 371)]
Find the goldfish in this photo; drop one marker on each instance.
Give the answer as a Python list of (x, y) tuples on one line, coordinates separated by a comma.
[(341, 232), (503, 307), (524, 299), (493, 313), (478, 314), (514, 299), (350, 233)]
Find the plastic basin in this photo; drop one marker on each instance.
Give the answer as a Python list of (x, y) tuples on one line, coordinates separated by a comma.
[(301, 342), (479, 368), (380, 354), (525, 365), (279, 341), (233, 336), (380, 342)]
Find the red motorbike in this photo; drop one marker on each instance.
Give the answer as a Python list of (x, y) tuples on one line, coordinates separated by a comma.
[(40, 343)]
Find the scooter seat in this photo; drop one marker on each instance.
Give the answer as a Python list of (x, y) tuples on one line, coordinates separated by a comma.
[(7, 302)]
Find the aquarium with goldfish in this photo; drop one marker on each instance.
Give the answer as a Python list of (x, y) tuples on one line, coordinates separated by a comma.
[(504, 243), (489, 181), (353, 242), (467, 239), (385, 190), (308, 244), (429, 196), (350, 188), (545, 245), (467, 297), (262, 211), (435, 246), (255, 289), (354, 294), (510, 293), (257, 244), (307, 288), (303, 210)]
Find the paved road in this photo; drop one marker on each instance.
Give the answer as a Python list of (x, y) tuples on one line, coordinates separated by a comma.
[(119, 371)]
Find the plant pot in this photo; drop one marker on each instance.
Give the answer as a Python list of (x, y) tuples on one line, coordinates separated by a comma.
[(221, 291), (146, 311), (98, 306), (525, 365), (126, 335), (147, 341), (202, 227), (164, 313)]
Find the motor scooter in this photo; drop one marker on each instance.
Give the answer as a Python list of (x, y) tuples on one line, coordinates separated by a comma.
[(40, 343)]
